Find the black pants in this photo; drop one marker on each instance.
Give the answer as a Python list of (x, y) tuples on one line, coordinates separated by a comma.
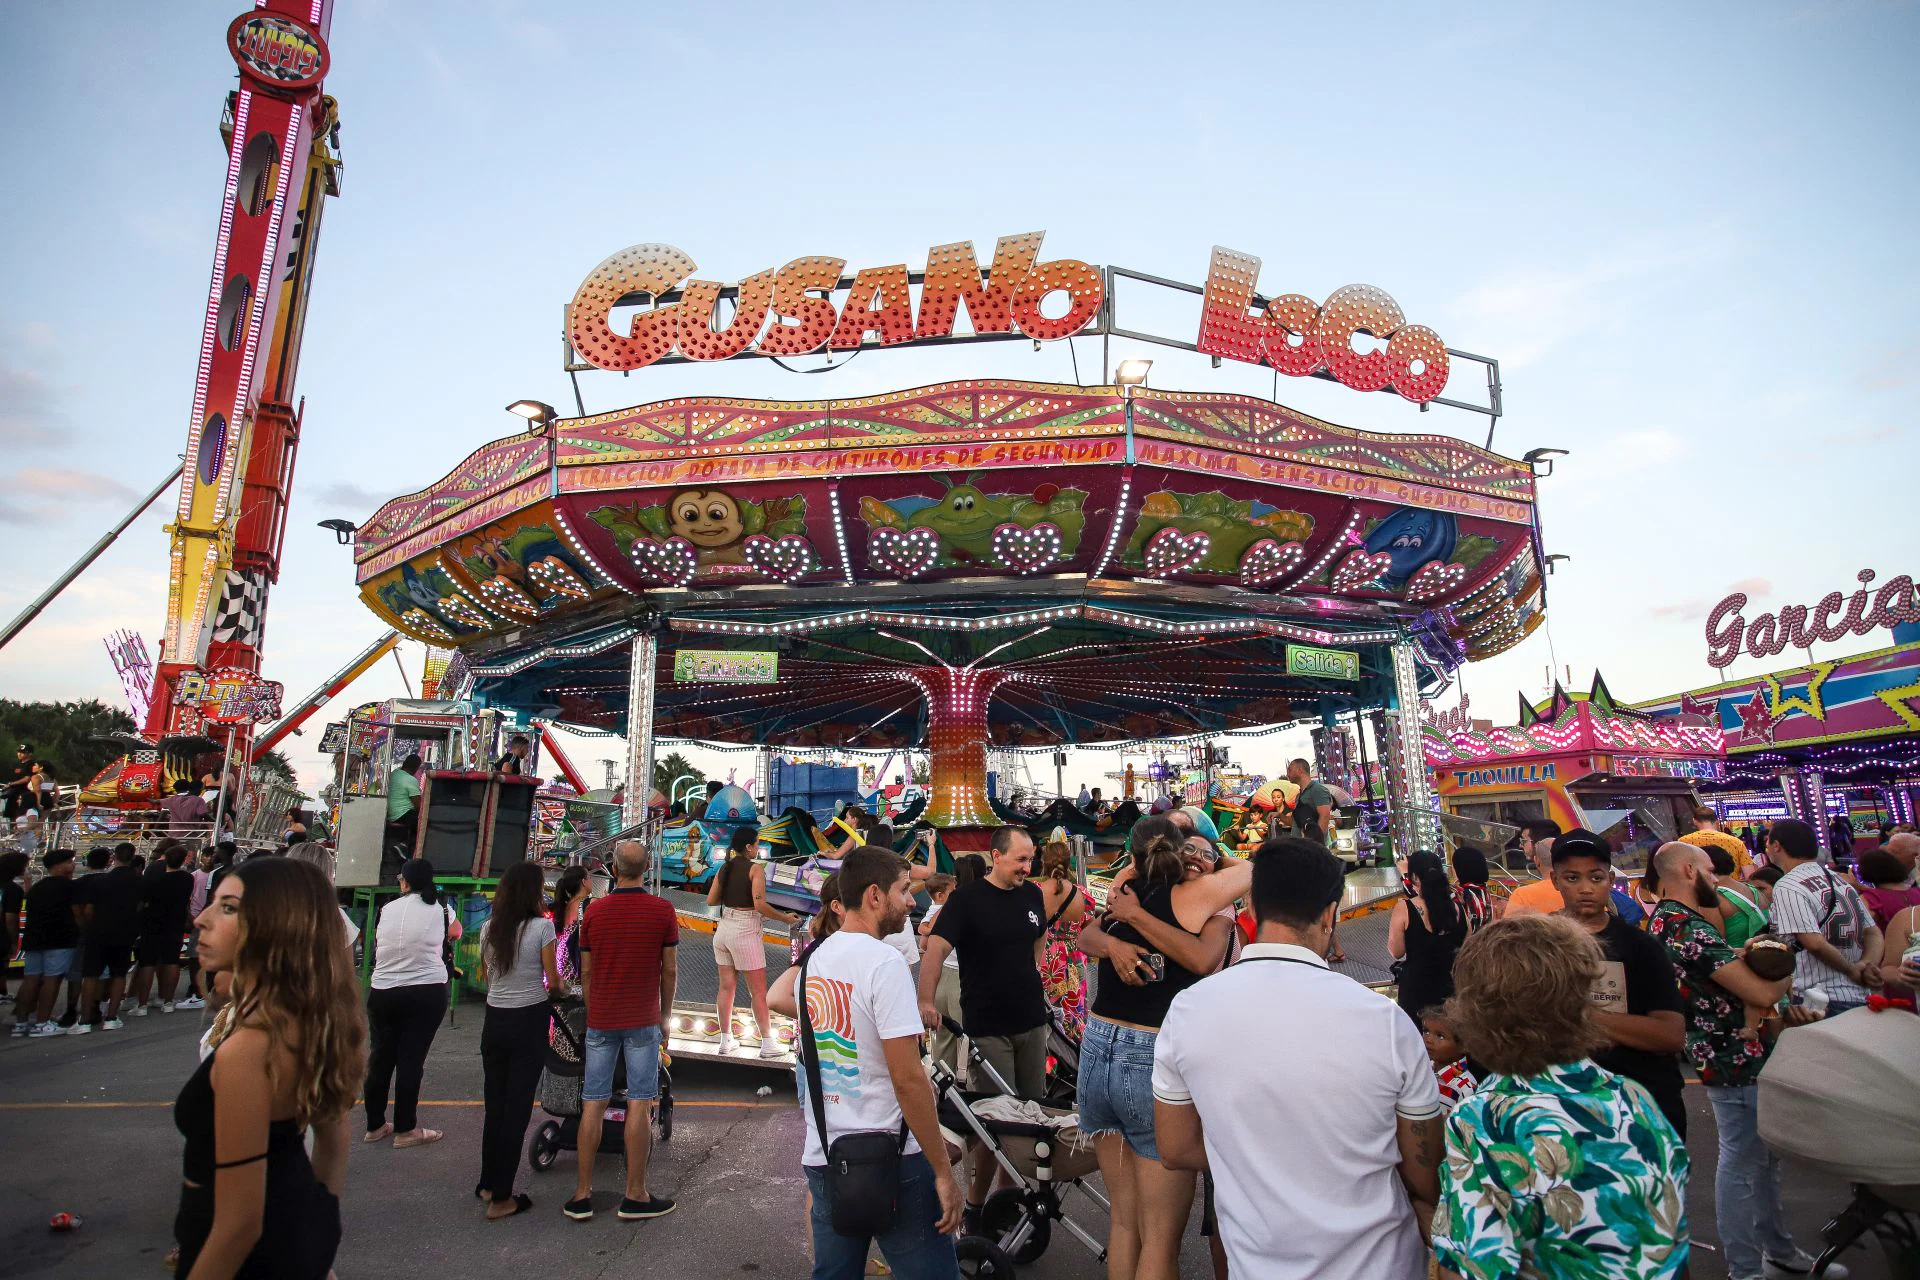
[(401, 1023), (513, 1046)]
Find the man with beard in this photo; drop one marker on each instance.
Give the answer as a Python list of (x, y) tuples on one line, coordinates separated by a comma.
[(1715, 987), (861, 1063)]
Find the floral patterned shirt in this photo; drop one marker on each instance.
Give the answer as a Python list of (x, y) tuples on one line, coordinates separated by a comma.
[(1715, 1016), (1572, 1174)]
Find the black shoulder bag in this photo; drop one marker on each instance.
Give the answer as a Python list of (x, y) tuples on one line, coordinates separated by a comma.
[(863, 1168)]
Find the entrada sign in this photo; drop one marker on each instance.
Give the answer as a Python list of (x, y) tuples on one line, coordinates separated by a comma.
[(725, 666), (1322, 664), (1797, 625), (790, 311)]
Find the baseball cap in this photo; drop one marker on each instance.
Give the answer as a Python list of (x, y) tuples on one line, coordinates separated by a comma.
[(1581, 843), (26, 747)]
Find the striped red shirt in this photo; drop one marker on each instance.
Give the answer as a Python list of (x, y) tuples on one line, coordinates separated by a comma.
[(625, 932)]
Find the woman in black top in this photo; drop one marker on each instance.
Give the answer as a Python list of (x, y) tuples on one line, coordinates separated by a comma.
[(1425, 932), (1162, 933), (288, 1052)]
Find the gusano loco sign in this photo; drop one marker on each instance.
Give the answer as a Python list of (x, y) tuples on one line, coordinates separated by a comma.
[(790, 311), (1728, 632)]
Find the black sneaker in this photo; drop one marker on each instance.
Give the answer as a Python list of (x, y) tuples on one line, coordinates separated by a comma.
[(637, 1210), (579, 1210)]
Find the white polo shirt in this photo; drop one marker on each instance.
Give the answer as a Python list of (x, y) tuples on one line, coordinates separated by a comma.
[(1298, 1074)]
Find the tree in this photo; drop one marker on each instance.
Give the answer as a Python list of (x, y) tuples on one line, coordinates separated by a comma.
[(276, 765), (671, 768), (63, 735)]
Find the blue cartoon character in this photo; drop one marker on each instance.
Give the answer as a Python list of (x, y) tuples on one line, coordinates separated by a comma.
[(1413, 537)]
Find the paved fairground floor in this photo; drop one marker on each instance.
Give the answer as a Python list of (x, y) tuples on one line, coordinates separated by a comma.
[(86, 1127)]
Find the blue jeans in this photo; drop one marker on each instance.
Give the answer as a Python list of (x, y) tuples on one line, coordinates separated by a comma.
[(641, 1047), (914, 1249), (52, 963), (1116, 1084), (1746, 1186)]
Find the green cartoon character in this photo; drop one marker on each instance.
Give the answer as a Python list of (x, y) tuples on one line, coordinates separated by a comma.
[(965, 517)]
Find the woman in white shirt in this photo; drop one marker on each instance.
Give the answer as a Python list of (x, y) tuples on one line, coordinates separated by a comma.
[(517, 961), (408, 999)]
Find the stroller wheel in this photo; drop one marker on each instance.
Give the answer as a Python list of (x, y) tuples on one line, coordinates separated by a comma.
[(982, 1259), (663, 1116), (545, 1147), (1005, 1210)]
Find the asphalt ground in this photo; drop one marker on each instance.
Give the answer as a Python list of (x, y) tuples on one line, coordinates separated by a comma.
[(86, 1126)]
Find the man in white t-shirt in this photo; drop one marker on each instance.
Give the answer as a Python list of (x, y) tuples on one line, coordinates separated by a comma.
[(865, 1020), (1342, 1074)]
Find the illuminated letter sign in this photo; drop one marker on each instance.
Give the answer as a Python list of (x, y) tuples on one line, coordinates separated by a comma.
[(1833, 618), (790, 311), (1298, 336), (1322, 664), (725, 666), (276, 51)]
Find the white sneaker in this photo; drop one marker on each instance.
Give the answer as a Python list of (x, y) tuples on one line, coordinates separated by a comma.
[(1800, 1263), (19, 1029), (166, 1006), (112, 1024), (46, 1029), (728, 1045), (191, 1002), (770, 1048), (80, 1029), (138, 1011)]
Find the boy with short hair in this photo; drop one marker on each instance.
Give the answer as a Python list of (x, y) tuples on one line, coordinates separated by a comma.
[(1449, 1057)]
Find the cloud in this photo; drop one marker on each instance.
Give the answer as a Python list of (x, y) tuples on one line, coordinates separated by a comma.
[(45, 495), (30, 417), (1893, 370), (344, 495), (1684, 609), (1755, 588), (1861, 435)]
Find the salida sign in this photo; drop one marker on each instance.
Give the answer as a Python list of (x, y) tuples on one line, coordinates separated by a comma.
[(790, 311)]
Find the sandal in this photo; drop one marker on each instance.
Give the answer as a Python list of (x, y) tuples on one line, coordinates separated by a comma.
[(416, 1138), (374, 1135), (521, 1203)]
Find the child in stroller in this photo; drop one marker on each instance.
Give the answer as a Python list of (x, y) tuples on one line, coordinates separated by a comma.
[(560, 1086)]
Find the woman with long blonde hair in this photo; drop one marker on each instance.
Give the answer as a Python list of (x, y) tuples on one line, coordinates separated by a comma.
[(287, 1054)]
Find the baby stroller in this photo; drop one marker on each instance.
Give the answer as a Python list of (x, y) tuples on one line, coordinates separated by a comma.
[(560, 1087), (1843, 1095), (1063, 1052), (1041, 1159)]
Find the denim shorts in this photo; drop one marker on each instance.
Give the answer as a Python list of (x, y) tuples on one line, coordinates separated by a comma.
[(1116, 1084), (49, 964), (641, 1045)]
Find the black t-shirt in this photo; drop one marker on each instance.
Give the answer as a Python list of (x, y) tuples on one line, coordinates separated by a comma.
[(1638, 978), (12, 897), (509, 763), (164, 908), (50, 925), (19, 774), (993, 930), (115, 898)]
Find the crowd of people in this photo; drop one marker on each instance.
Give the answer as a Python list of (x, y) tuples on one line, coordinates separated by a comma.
[(1521, 1111)]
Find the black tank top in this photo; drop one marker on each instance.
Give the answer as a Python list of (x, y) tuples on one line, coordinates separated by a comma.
[(1147, 1005), (300, 1228), (736, 883)]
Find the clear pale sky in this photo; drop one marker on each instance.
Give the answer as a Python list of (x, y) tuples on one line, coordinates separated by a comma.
[(1686, 231)]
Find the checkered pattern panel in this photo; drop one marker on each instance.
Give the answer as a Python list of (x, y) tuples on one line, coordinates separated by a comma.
[(243, 609)]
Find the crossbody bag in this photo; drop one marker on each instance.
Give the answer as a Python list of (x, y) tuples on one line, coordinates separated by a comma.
[(863, 1167)]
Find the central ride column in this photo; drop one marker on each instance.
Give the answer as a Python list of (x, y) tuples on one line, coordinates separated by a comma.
[(957, 700)]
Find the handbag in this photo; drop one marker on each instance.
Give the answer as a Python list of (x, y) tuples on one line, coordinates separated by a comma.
[(863, 1167)]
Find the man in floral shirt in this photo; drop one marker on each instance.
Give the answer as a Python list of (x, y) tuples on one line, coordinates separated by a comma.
[(1715, 987)]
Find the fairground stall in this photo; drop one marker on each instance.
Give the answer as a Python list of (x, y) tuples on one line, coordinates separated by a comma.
[(1580, 760), (980, 563), (1830, 741)]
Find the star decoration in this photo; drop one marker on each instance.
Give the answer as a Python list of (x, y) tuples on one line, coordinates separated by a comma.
[(1785, 699), (1707, 709), (1756, 720)]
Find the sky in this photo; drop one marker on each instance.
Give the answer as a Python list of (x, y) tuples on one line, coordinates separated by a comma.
[(1684, 230)]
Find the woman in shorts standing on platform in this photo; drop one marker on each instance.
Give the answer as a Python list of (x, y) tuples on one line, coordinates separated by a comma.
[(288, 1053), (739, 889)]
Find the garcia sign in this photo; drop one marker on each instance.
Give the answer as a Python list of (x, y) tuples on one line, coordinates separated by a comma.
[(791, 311), (1797, 625)]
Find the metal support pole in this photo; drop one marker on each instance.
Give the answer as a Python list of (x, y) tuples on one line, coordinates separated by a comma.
[(1409, 797), (220, 804), (79, 566), (640, 679)]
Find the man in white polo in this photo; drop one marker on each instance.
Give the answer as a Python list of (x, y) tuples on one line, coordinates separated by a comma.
[(1333, 1072)]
